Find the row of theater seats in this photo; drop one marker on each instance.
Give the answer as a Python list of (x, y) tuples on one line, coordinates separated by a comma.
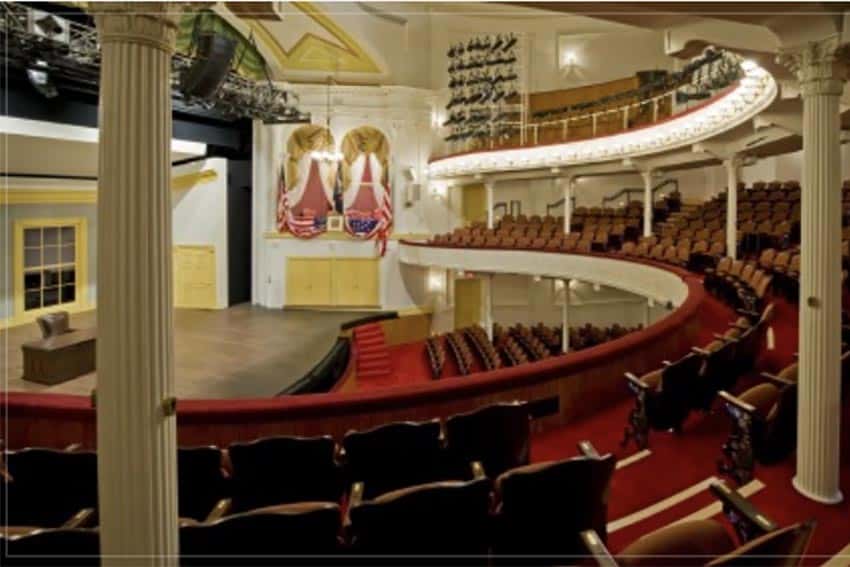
[(685, 253), (499, 509), (741, 284), (436, 353), (483, 347), (666, 396)]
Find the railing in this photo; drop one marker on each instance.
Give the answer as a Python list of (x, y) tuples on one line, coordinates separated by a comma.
[(515, 207), (629, 191), (559, 203)]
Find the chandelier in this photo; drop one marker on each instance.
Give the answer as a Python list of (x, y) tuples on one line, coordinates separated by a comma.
[(327, 156)]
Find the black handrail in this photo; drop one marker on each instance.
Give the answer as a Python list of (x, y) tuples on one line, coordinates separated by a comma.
[(559, 203), (630, 190)]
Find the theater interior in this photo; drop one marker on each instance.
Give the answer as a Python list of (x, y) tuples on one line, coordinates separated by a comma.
[(431, 283)]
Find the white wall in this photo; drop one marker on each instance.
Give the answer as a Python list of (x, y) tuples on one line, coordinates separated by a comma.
[(199, 216)]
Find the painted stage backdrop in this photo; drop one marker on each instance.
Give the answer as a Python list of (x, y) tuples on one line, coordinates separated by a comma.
[(356, 188)]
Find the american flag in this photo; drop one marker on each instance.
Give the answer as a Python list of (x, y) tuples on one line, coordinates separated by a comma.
[(302, 227)]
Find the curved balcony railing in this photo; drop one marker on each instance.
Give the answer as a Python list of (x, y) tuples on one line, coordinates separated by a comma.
[(611, 134)]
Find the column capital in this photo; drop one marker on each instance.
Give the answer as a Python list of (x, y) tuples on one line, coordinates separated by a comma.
[(734, 161), (153, 24), (821, 66)]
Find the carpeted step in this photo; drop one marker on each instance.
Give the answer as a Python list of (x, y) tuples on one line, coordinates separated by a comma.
[(374, 364), (373, 357), (373, 373), (365, 350)]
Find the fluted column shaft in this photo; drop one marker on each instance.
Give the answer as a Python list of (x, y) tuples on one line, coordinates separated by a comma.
[(819, 411), (136, 427), (565, 318), (488, 189), (647, 202), (487, 285), (732, 165)]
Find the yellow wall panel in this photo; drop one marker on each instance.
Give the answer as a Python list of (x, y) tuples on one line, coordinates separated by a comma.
[(194, 277), (356, 282), (308, 281), (474, 203), (467, 302)]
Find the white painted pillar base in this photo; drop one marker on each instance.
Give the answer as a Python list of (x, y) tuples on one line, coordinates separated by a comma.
[(732, 165), (819, 401), (136, 425), (647, 202)]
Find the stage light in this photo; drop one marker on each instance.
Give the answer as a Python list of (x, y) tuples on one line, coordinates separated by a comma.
[(40, 79)]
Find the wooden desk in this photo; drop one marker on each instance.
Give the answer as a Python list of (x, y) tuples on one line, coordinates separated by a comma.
[(60, 358)]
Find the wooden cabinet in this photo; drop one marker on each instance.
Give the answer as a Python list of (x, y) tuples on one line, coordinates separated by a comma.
[(195, 277), (332, 282)]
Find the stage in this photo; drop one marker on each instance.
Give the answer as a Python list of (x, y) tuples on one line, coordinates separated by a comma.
[(243, 351)]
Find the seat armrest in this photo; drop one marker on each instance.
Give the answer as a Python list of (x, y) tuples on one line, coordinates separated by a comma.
[(596, 549), (637, 382), (81, 519), (220, 510), (666, 363), (780, 382), (700, 351), (587, 449), (73, 447), (730, 399), (738, 509), (355, 497), (477, 470)]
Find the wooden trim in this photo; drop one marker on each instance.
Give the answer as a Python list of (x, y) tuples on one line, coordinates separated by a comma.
[(43, 196)]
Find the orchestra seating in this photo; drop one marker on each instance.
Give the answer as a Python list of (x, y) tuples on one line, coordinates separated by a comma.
[(435, 349), (708, 542), (665, 397)]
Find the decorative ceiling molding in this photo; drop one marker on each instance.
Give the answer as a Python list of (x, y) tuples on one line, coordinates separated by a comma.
[(751, 95), (310, 53)]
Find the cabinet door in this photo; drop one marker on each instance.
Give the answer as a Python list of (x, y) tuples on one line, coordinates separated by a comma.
[(308, 281), (194, 277), (355, 282)]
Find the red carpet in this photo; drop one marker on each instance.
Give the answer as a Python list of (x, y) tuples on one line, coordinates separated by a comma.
[(373, 358)]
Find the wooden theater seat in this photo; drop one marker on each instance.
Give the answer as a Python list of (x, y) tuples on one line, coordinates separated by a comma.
[(201, 483), (49, 488), (448, 519), (708, 542), (396, 455), (498, 436), (282, 470), (265, 536), (572, 492), (69, 547)]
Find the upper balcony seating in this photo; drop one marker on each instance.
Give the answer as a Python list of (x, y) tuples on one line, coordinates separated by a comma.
[(283, 470), (708, 542), (497, 436), (262, 536), (48, 488), (575, 491), (395, 456)]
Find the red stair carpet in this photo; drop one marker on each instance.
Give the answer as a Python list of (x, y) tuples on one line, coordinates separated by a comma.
[(373, 356)]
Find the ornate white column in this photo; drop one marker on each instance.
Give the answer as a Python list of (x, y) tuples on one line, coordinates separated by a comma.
[(136, 425), (821, 77), (647, 201), (487, 290), (488, 188), (732, 165), (565, 318), (567, 186)]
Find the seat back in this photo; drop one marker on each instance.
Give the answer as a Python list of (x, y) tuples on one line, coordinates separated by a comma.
[(498, 436), (786, 547), (544, 507), (280, 470), (63, 546), (394, 456), (263, 536), (49, 486), (200, 481), (439, 518)]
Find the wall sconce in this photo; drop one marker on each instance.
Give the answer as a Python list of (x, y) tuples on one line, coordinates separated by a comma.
[(559, 285), (436, 282), (569, 62), (537, 279), (597, 288), (439, 191)]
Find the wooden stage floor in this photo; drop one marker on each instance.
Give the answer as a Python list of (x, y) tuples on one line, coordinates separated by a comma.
[(241, 352)]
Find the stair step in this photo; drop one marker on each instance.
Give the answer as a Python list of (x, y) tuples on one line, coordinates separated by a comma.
[(370, 341), (373, 365), (363, 350), (373, 373)]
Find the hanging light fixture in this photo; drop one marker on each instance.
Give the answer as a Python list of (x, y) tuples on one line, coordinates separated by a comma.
[(327, 156)]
